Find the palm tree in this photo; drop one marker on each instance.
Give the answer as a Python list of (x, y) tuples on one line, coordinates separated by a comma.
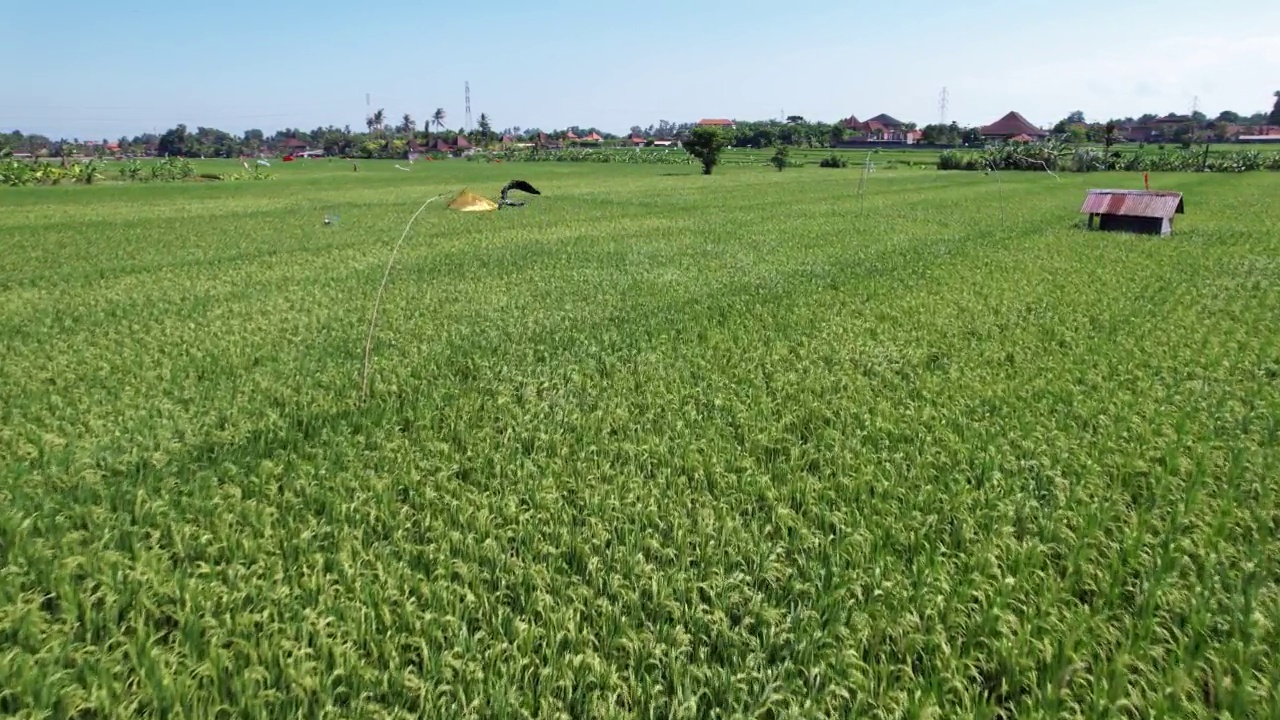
[(380, 119), (407, 125), (437, 118)]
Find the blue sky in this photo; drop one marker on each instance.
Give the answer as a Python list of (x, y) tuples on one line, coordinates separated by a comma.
[(270, 64)]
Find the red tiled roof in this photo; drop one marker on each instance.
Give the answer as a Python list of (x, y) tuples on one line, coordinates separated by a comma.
[(462, 143), (1013, 124), (715, 121), (886, 120)]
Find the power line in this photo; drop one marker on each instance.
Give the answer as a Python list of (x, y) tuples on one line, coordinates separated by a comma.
[(143, 120)]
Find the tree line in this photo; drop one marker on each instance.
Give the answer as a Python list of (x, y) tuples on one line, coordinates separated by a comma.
[(383, 138)]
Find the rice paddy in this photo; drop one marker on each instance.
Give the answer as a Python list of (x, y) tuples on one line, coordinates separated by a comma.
[(655, 445)]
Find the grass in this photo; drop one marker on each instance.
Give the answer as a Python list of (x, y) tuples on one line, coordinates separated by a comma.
[(656, 444)]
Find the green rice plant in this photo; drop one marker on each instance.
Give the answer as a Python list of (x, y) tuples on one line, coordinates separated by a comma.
[(649, 446), (663, 156)]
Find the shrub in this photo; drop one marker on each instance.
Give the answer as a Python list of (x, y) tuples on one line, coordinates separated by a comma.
[(780, 158), (833, 161)]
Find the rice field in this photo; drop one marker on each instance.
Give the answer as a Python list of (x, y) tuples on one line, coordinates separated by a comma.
[(655, 445)]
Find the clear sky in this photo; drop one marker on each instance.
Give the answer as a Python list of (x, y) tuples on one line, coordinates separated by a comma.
[(94, 71)]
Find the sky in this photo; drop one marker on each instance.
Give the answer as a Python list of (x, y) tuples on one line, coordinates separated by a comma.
[(270, 64)]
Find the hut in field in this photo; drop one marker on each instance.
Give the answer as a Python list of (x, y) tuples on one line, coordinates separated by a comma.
[(1147, 212)]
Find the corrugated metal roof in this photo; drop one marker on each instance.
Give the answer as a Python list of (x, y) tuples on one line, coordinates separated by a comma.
[(1137, 203)]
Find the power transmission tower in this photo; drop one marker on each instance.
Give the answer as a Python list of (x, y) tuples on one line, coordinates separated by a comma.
[(942, 106), (467, 85)]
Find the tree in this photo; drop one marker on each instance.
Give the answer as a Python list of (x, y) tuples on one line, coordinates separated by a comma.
[(1109, 137), (485, 127), (437, 118), (705, 143), (837, 133), (781, 157), (1229, 117), (174, 141), (407, 125), (379, 119), (1274, 117)]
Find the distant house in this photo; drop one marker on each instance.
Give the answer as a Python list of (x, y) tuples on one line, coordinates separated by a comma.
[(636, 140), (461, 143), (592, 137), (882, 128), (1011, 126), (888, 121), (1159, 129), (292, 146), (716, 122)]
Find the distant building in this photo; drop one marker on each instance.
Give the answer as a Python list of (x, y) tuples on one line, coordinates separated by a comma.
[(716, 122), (1012, 126), (1158, 129), (882, 128)]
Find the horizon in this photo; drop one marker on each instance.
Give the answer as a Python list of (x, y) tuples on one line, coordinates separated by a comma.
[(555, 66)]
